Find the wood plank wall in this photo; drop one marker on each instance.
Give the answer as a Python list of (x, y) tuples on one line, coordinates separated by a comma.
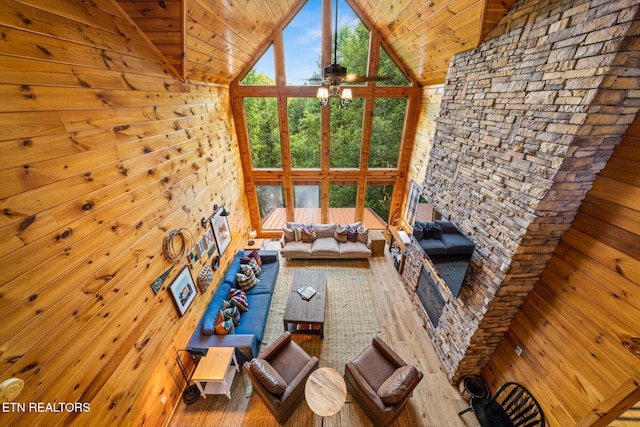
[(580, 327), (102, 152)]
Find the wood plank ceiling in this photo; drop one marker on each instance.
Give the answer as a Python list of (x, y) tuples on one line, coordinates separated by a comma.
[(216, 40)]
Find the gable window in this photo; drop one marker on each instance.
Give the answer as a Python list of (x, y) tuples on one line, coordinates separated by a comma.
[(332, 163)]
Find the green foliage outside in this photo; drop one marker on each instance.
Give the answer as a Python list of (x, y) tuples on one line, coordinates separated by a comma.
[(343, 196), (378, 199)]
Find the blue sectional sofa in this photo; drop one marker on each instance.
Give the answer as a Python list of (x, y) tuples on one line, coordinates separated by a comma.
[(248, 334)]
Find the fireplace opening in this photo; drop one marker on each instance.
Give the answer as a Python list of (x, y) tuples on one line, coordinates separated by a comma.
[(430, 297)]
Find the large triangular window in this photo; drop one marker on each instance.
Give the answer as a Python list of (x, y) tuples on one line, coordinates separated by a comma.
[(263, 73), (302, 40), (387, 67), (338, 162)]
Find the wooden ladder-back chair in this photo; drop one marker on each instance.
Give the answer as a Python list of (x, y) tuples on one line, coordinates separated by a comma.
[(512, 405)]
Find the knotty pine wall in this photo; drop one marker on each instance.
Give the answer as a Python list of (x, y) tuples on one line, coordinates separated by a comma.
[(102, 152), (580, 326)]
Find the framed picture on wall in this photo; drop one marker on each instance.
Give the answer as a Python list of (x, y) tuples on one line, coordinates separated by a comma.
[(412, 203), (221, 232), (183, 290)]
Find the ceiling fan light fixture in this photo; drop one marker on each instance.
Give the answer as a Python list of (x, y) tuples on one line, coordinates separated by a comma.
[(323, 96), (346, 97)]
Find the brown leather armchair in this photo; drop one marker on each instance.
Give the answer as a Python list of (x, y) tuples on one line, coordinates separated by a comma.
[(381, 382), (279, 375)]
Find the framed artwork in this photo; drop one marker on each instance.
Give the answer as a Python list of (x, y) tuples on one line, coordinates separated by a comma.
[(412, 203), (183, 290), (202, 247), (193, 257), (221, 232)]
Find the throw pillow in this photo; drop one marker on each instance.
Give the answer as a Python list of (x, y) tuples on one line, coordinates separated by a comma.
[(256, 255), (224, 325), (418, 231), (363, 234), (232, 313), (427, 230), (246, 279), (296, 233), (341, 233), (268, 376), (255, 267), (245, 260), (395, 388), (352, 234), (307, 234), (239, 299), (288, 234), (436, 231)]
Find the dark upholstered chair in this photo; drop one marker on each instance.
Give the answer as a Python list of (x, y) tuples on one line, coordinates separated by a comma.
[(381, 382), (279, 375), (512, 405)]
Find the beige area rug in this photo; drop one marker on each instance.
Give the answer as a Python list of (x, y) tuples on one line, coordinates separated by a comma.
[(351, 319)]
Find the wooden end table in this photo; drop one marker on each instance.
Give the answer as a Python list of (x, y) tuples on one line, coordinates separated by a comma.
[(325, 392), (214, 373), (306, 316)]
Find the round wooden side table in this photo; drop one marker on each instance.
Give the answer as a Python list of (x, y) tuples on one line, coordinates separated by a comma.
[(325, 392)]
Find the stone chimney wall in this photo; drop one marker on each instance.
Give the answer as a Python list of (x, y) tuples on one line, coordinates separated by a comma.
[(527, 121)]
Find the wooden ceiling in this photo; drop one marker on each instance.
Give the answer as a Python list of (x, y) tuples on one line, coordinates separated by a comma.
[(216, 40)]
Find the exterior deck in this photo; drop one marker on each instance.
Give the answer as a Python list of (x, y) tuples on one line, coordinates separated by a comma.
[(277, 218)]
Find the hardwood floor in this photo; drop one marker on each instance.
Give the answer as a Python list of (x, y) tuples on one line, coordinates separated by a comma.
[(435, 402)]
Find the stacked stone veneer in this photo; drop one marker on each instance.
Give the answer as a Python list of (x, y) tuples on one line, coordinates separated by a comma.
[(527, 120)]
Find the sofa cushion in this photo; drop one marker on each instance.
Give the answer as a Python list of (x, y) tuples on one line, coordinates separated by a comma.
[(296, 249), (268, 279), (447, 227), (457, 244), (324, 230), (268, 377), (433, 246), (253, 321), (210, 316), (395, 388), (354, 250), (234, 267), (326, 246)]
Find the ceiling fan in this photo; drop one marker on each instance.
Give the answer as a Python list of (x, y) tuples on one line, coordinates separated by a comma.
[(333, 75)]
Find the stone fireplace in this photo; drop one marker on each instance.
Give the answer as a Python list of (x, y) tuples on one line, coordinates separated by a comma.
[(526, 122)]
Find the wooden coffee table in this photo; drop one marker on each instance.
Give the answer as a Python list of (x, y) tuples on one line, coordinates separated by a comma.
[(306, 316)]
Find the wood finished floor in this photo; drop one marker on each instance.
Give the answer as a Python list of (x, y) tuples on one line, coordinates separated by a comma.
[(435, 402)]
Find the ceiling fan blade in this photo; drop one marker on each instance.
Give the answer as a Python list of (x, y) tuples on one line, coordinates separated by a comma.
[(356, 78)]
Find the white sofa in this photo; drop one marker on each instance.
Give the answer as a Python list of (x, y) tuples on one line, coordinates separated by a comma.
[(325, 245)]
